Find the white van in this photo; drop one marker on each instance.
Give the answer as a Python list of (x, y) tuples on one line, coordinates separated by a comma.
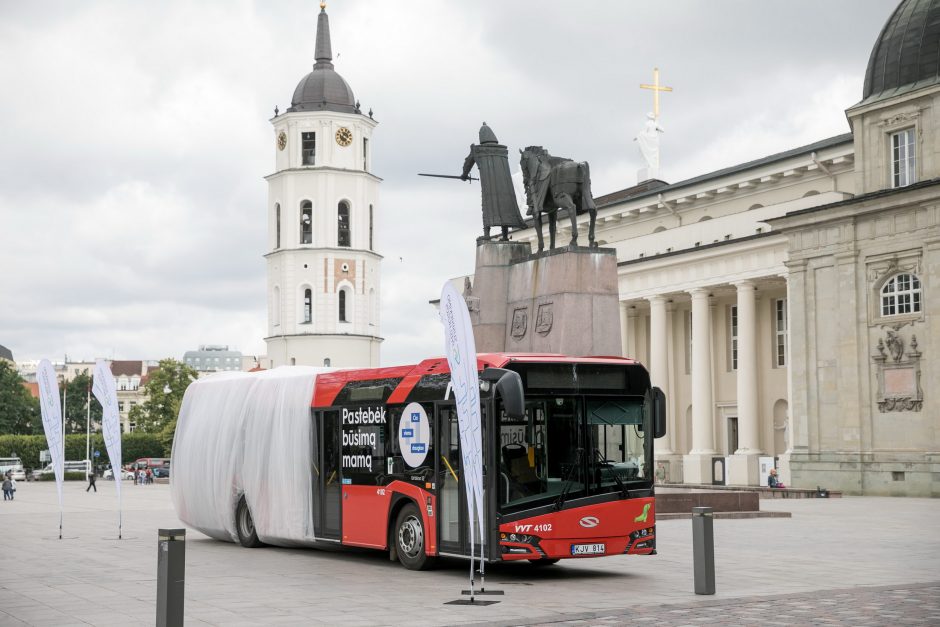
[(83, 466)]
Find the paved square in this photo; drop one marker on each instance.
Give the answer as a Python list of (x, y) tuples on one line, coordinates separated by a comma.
[(838, 561)]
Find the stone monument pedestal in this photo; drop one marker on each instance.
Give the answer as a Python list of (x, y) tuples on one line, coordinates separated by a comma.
[(697, 468), (743, 469), (560, 301)]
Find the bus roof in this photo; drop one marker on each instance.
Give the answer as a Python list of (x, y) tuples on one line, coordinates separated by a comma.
[(330, 384)]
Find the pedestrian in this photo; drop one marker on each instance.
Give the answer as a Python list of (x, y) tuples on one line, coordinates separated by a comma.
[(772, 480), (12, 487), (91, 482), (149, 476), (134, 472), (7, 488)]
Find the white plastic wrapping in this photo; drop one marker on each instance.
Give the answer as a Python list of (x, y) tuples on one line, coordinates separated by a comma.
[(247, 433)]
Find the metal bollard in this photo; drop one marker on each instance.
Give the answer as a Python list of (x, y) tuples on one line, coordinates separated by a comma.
[(171, 576), (703, 550)]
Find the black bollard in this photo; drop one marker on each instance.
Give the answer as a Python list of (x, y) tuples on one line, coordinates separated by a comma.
[(703, 550), (171, 576)]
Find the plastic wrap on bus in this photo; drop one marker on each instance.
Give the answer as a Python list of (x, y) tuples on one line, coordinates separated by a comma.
[(247, 434)]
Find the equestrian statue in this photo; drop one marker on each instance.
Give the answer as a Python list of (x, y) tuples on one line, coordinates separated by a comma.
[(555, 182)]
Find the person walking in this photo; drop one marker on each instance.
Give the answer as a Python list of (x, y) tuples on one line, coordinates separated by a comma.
[(7, 488), (149, 476), (12, 487), (91, 482)]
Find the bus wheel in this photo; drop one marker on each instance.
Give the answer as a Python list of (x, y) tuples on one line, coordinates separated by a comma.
[(245, 526), (543, 562), (410, 539)]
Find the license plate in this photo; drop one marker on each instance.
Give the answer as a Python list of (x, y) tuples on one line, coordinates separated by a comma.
[(588, 549)]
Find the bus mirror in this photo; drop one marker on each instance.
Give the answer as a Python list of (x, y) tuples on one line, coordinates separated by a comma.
[(509, 386), (659, 413)]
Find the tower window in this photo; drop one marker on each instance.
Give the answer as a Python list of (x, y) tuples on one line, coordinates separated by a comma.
[(900, 295), (371, 224), (342, 231), (903, 158), (342, 306), (308, 148), (306, 222), (277, 225), (365, 154), (308, 306)]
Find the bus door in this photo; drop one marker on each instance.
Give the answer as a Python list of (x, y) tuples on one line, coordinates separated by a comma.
[(451, 499), (327, 500)]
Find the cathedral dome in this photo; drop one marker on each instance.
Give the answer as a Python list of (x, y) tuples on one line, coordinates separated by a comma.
[(323, 89), (906, 55)]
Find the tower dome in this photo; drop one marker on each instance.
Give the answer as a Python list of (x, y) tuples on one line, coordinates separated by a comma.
[(323, 89), (906, 55)]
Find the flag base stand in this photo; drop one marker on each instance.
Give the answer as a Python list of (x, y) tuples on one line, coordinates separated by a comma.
[(60, 538), (470, 602), (482, 592)]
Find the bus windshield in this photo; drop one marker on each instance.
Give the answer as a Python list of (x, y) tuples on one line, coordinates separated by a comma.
[(571, 446)]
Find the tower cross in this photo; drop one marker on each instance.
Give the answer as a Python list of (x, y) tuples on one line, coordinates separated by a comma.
[(656, 87)]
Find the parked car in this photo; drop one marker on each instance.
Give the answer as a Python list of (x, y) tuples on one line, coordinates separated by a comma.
[(18, 474), (126, 475), (162, 472)]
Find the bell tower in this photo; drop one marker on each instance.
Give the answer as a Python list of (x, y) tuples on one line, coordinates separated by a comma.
[(323, 271)]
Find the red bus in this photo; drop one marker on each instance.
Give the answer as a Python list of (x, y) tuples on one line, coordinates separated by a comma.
[(568, 463)]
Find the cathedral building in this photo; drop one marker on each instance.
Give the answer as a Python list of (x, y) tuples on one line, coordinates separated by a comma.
[(790, 306), (323, 271)]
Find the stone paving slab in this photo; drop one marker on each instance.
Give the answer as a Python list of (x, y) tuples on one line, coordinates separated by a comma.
[(856, 545)]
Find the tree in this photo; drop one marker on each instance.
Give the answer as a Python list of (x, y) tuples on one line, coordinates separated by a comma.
[(76, 404), (165, 387), (19, 411)]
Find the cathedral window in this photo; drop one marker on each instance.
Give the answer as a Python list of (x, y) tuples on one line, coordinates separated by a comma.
[(371, 225), (342, 306), (306, 222), (900, 295), (342, 230), (733, 335), (365, 154), (903, 158), (780, 332), (277, 225), (308, 306), (308, 148), (276, 308)]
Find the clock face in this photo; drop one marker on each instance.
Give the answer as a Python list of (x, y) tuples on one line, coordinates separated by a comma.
[(281, 140), (344, 136)]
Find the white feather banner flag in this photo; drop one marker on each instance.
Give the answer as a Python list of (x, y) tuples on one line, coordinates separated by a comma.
[(462, 359), (52, 423), (105, 391)]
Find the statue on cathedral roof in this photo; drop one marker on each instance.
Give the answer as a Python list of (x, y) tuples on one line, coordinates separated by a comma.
[(648, 142)]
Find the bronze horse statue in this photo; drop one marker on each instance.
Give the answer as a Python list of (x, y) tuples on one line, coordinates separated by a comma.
[(555, 182)]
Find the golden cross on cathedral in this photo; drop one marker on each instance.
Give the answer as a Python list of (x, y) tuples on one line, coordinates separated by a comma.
[(656, 87)]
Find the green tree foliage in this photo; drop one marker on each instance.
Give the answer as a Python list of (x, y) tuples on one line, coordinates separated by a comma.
[(19, 411), (133, 446), (76, 404), (165, 387)]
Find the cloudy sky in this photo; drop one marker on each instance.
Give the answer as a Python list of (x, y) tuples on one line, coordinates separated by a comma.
[(134, 137)]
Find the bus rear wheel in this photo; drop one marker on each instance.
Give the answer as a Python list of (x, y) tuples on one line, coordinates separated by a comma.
[(245, 526), (410, 539)]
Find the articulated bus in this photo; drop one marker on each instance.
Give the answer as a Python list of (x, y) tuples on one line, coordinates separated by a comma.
[(374, 459)]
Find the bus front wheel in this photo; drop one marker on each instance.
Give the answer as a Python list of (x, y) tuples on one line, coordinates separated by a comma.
[(410, 539), (245, 526)]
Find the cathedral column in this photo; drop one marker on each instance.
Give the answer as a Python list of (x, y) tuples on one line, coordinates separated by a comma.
[(743, 464), (697, 464), (659, 362)]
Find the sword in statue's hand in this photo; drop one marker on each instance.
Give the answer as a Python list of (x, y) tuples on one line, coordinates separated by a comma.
[(450, 176)]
